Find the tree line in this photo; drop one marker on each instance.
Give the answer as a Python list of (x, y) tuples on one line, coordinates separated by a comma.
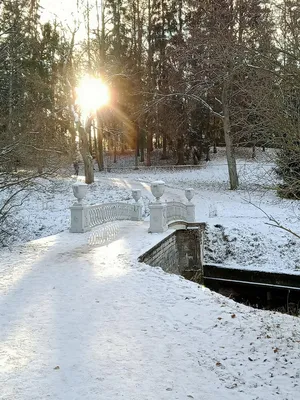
[(183, 75)]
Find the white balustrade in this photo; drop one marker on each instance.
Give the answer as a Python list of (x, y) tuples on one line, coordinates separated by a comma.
[(176, 211), (101, 213), (84, 217), (162, 214)]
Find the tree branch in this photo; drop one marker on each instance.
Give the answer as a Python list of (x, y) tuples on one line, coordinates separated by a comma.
[(275, 222)]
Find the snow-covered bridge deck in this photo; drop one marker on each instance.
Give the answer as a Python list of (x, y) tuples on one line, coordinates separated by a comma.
[(82, 319)]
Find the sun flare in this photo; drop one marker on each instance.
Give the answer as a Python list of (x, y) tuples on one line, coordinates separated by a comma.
[(92, 94)]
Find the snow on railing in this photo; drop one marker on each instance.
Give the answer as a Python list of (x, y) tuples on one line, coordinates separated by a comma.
[(162, 214), (84, 217), (176, 211), (101, 213)]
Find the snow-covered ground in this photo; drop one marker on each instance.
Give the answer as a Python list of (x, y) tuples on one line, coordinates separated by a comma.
[(237, 230), (238, 234), (81, 318)]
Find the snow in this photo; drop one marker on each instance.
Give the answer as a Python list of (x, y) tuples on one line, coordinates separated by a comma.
[(84, 320), (81, 318), (46, 210)]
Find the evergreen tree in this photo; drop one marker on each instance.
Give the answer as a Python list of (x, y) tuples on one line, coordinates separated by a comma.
[(34, 135)]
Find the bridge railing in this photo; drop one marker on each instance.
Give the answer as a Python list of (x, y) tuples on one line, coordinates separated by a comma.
[(176, 211), (84, 217), (164, 213)]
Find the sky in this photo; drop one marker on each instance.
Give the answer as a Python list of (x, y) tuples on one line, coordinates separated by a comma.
[(63, 11), (66, 13)]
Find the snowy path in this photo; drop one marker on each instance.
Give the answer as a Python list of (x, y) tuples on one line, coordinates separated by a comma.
[(131, 183), (82, 321)]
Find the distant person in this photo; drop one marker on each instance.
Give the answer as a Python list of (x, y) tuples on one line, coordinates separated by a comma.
[(76, 167)]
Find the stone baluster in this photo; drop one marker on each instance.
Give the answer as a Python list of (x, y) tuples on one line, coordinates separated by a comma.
[(158, 210), (79, 212), (190, 207)]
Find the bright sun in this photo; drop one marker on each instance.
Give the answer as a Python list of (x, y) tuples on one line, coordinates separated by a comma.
[(92, 94)]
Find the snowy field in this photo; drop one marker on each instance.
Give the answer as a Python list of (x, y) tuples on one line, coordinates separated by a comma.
[(237, 230), (80, 318)]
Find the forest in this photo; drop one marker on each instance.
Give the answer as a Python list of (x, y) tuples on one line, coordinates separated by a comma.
[(183, 76), (120, 115)]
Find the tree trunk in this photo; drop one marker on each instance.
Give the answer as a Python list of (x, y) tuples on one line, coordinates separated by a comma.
[(88, 36), (142, 145), (164, 145), (95, 136), (115, 153), (215, 146), (149, 149), (207, 153), (86, 155), (100, 158), (122, 143), (101, 32), (180, 152), (88, 129), (88, 166), (231, 163), (137, 147), (149, 77)]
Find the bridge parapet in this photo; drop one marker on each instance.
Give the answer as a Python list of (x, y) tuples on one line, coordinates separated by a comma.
[(162, 214), (84, 217)]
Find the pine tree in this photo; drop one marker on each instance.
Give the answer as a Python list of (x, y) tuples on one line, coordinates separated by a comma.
[(34, 135)]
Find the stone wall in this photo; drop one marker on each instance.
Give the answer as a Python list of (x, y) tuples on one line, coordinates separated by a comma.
[(178, 253), (164, 254), (189, 245)]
